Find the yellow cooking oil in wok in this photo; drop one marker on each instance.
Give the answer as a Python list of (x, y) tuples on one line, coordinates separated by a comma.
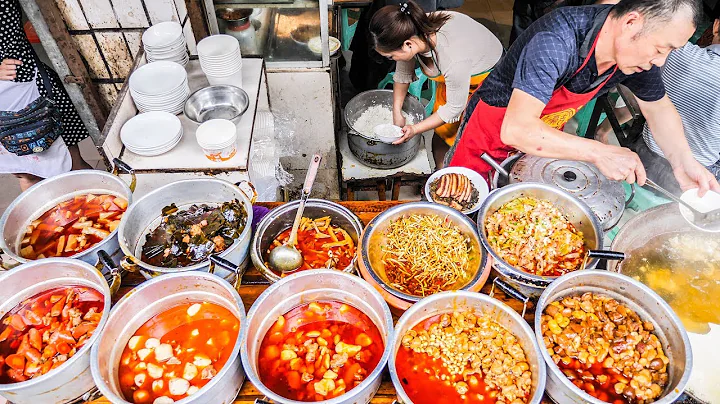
[(684, 269)]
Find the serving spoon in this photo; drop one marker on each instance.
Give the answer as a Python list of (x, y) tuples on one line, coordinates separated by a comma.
[(287, 258), (703, 220)]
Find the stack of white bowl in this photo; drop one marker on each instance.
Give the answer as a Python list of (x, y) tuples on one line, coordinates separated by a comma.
[(152, 133), (160, 86), (165, 41), (220, 60)]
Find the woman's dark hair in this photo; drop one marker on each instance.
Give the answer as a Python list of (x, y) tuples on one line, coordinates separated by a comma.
[(391, 26)]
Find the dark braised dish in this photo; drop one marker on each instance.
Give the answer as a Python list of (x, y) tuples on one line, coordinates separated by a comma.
[(186, 237)]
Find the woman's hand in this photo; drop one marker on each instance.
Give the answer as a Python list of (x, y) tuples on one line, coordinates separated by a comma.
[(8, 68), (398, 118), (408, 132)]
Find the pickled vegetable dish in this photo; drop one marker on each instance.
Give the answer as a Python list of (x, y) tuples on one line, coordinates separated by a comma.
[(187, 237), (318, 351), (426, 254), (463, 358), (73, 226), (533, 235), (321, 243), (44, 331), (605, 349), (177, 352)]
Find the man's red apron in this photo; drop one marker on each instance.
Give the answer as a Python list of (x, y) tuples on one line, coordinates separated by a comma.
[(482, 131)]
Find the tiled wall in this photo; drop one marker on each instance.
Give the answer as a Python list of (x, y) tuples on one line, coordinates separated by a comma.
[(108, 34)]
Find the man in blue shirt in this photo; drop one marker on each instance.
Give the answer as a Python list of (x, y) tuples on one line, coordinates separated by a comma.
[(567, 58)]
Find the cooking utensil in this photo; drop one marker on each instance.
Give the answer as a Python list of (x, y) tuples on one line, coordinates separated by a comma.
[(639, 298), (152, 298), (702, 220), (282, 217), (449, 302), (72, 379), (217, 102), (287, 258), (309, 286), (372, 152)]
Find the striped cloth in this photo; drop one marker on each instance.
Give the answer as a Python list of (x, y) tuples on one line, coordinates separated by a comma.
[(692, 81)]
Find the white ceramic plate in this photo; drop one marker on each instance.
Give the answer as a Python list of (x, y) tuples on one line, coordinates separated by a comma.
[(476, 179), (710, 201), (162, 34), (156, 152), (156, 78), (150, 130)]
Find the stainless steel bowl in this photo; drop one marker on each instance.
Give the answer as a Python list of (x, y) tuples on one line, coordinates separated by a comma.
[(448, 302), (217, 102), (575, 210), (370, 250), (309, 286), (372, 152), (44, 195), (72, 379), (639, 298), (281, 219), (155, 297), (144, 216)]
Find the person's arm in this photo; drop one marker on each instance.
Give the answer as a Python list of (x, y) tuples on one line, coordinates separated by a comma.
[(523, 129), (667, 130), (403, 76)]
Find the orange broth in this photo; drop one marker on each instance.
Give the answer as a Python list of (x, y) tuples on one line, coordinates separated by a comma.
[(73, 226), (319, 351), (69, 316), (201, 337)]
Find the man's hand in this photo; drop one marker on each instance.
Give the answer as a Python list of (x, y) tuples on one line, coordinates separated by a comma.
[(408, 132), (619, 163), (691, 174), (398, 118), (8, 68)]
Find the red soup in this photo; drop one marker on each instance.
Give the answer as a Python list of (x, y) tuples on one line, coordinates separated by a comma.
[(318, 351), (46, 330), (177, 352)]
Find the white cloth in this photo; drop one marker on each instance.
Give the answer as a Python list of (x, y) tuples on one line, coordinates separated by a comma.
[(53, 161)]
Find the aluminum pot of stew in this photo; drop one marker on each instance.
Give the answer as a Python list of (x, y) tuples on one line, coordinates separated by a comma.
[(632, 347), (329, 235), (73, 298), (317, 336), (178, 226), (559, 207), (173, 338), (436, 337), (72, 215)]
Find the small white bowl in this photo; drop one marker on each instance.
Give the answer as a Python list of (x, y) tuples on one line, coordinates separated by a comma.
[(158, 78), (710, 201), (162, 35), (387, 133), (315, 45), (478, 182), (217, 46)]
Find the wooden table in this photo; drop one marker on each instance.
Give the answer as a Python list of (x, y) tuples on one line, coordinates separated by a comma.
[(254, 284)]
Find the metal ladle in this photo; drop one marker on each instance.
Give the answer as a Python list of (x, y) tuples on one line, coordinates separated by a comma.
[(286, 258)]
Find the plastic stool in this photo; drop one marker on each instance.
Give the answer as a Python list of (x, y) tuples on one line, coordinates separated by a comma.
[(415, 87), (348, 30), (644, 199)]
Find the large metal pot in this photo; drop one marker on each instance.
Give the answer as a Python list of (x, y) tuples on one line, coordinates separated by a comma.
[(281, 219), (370, 249), (639, 298), (44, 195), (144, 216), (309, 286), (372, 152), (576, 211), (73, 379), (449, 302), (155, 297)]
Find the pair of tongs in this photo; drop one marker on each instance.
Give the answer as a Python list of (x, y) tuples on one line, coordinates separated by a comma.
[(706, 220)]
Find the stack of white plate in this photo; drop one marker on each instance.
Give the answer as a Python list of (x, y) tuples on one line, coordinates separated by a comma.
[(152, 133), (165, 41), (160, 86), (220, 60)]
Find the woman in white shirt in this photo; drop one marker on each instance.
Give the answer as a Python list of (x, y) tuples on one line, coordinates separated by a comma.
[(451, 48)]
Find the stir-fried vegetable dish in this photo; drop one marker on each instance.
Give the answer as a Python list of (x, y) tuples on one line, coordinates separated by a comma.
[(321, 244), (533, 235), (187, 237), (426, 254), (73, 226), (177, 352), (318, 351), (46, 330)]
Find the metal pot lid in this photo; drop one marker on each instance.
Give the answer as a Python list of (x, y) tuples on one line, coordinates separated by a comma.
[(605, 197)]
